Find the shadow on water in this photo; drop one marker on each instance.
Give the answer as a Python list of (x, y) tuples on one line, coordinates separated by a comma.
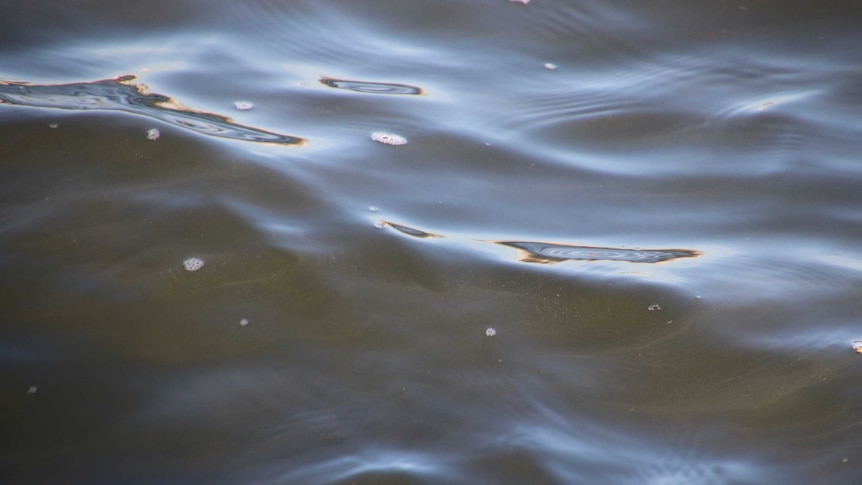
[(122, 94)]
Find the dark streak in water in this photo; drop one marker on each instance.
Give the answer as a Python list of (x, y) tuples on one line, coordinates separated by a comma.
[(410, 231), (547, 253), (372, 87), (121, 94), (550, 253)]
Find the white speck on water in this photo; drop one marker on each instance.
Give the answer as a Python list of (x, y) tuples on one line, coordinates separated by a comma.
[(490, 332), (388, 138), (53, 125), (372, 208), (654, 307), (153, 134), (857, 346), (32, 390), (550, 66), (193, 264), (698, 297), (243, 322), (380, 224), (243, 105)]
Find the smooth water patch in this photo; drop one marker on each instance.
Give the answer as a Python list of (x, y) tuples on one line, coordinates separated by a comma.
[(122, 94)]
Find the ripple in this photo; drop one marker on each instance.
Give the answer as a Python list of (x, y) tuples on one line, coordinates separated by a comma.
[(410, 231), (548, 253), (370, 87), (122, 94)]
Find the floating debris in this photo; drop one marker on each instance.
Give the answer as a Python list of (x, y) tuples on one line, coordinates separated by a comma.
[(32, 390), (243, 105), (193, 264), (490, 332), (153, 134), (243, 322), (548, 253), (857, 346), (53, 125), (380, 224), (550, 66), (388, 138), (372, 87), (122, 94), (372, 208), (654, 307)]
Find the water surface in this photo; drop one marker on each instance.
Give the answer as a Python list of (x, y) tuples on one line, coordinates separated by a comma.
[(655, 206)]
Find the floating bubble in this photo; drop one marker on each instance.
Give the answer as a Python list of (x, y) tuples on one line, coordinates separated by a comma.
[(243, 105), (654, 307), (32, 390), (153, 134), (53, 125), (193, 264), (550, 66), (388, 138), (490, 332), (243, 322), (372, 208), (857, 346)]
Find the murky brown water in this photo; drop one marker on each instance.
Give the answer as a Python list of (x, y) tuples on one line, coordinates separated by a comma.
[(620, 244)]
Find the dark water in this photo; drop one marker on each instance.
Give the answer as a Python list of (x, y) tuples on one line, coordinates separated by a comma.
[(621, 244)]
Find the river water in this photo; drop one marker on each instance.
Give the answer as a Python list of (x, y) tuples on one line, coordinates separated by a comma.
[(621, 243)]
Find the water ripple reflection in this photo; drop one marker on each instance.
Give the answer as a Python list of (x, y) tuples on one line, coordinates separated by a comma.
[(550, 253), (372, 87), (122, 94)]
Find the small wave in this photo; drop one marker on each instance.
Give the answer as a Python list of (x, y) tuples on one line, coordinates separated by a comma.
[(410, 231), (122, 94), (548, 253), (370, 87)]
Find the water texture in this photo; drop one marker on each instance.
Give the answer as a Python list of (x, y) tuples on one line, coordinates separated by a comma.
[(654, 206), (122, 95)]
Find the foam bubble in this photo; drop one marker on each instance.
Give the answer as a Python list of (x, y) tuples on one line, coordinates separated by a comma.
[(243, 105), (388, 138), (490, 332), (193, 264), (153, 134)]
